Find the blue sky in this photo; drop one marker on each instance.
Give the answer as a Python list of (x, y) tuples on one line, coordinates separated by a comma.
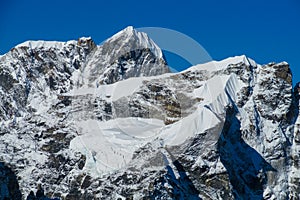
[(263, 30)]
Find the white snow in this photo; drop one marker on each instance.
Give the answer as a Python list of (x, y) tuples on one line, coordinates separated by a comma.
[(116, 90), (45, 44), (142, 38), (196, 123), (109, 145), (85, 38), (218, 65)]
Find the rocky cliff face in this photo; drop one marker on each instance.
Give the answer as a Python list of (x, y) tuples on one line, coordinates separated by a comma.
[(86, 121)]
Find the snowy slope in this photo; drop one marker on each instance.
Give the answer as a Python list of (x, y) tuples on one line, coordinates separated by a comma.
[(116, 136)]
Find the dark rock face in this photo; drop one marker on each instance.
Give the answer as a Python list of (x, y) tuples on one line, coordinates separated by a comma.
[(30, 69), (39, 195), (9, 184), (87, 43), (249, 180), (128, 65), (169, 105)]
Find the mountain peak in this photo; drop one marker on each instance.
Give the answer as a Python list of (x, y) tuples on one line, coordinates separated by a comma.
[(130, 39), (126, 32), (128, 53), (129, 29)]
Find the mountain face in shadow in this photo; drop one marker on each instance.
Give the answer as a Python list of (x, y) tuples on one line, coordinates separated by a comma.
[(247, 169), (9, 187)]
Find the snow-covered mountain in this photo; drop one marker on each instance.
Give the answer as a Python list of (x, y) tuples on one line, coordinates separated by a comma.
[(86, 121)]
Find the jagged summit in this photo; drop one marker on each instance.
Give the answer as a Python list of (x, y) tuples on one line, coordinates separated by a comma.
[(130, 39), (128, 31), (128, 53)]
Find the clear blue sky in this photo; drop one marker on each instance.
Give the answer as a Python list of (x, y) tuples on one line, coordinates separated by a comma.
[(263, 30)]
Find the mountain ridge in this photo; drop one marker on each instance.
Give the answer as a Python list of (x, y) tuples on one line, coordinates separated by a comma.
[(87, 121)]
